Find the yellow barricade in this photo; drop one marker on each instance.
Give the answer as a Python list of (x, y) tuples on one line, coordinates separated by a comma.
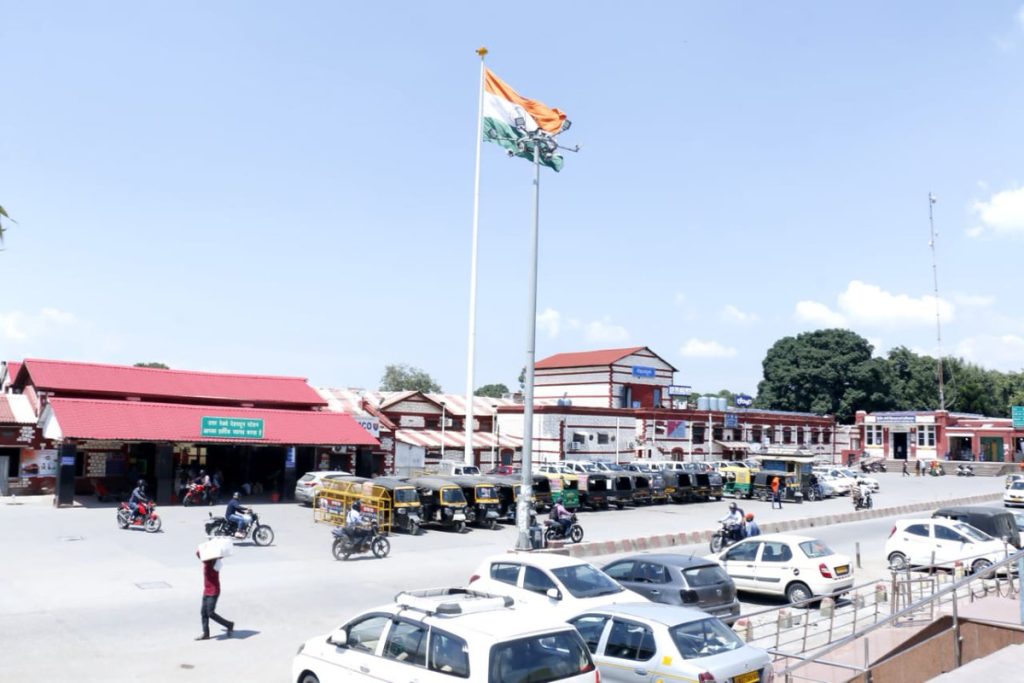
[(335, 497)]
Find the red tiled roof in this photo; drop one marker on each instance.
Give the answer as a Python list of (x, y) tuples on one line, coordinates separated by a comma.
[(141, 421), (6, 414), (586, 358), (152, 383), (12, 369), (15, 409)]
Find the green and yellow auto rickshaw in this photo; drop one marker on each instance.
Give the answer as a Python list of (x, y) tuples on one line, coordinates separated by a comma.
[(443, 502), (481, 499)]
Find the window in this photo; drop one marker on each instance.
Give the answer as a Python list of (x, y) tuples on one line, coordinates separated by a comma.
[(826, 438), (407, 643), (972, 533), (737, 434), (585, 581), (506, 573), (709, 575), (579, 438), (629, 640), (873, 435), (815, 549), (698, 433), (448, 654), (621, 571), (800, 436), (918, 530), (755, 434), (744, 552), (815, 437), (787, 435), (704, 638), (590, 626), (946, 534), (649, 572), (537, 581), (539, 659), (716, 433), (776, 552), (365, 634), (602, 438), (926, 436)]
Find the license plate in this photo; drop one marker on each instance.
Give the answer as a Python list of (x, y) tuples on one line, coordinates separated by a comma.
[(843, 570), (752, 677)]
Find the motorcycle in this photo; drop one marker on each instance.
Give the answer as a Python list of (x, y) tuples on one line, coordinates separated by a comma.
[(199, 493), (147, 517), (723, 538), (554, 532), (964, 471), (344, 545), (861, 502), (261, 534)]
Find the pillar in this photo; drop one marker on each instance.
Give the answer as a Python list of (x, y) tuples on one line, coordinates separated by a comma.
[(65, 491), (164, 472)]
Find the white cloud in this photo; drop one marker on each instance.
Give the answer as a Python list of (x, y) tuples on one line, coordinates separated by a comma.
[(549, 321), (680, 298), (818, 314), (698, 348), (604, 331), (731, 314), (1000, 352), (1020, 17), (876, 345), (1001, 215), (18, 326), (871, 304), (973, 300)]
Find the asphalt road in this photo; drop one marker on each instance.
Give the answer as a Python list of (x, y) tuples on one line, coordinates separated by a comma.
[(83, 600)]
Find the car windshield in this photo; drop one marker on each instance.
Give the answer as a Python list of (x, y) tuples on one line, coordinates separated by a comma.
[(486, 492), (704, 638), (539, 659), (585, 581), (406, 495), (1017, 485), (452, 495), (307, 477), (470, 469), (815, 549), (972, 533), (708, 575), (614, 467)]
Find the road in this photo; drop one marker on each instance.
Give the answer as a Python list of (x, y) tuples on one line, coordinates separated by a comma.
[(82, 599)]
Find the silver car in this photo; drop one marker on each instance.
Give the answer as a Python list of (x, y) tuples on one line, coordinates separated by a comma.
[(649, 641), (309, 483), (676, 579)]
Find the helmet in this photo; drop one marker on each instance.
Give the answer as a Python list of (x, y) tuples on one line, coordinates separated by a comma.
[(733, 507), (141, 483), (357, 506), (750, 516), (236, 495)]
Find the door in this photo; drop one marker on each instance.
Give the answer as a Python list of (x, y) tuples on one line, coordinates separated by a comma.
[(899, 445), (628, 653), (950, 546), (652, 581), (535, 587), (738, 562), (360, 659), (916, 543), (774, 569)]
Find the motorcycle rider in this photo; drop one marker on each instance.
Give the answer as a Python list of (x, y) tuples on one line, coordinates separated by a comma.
[(734, 522), (751, 526), (864, 494), (354, 526), (138, 496), (561, 516), (238, 514)]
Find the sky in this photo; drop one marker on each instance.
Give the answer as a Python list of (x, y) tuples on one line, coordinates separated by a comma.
[(287, 188)]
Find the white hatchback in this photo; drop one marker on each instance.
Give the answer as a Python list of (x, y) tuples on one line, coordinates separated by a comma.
[(309, 483), (797, 567), (1014, 494), (557, 582), (915, 542)]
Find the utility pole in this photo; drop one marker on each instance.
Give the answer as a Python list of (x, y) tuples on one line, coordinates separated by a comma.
[(935, 280)]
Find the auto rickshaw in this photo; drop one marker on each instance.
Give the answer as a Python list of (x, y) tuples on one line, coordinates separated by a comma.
[(481, 499), (678, 486), (564, 489), (407, 511), (623, 483), (762, 486), (641, 488), (507, 489), (443, 502), (735, 481), (596, 491)]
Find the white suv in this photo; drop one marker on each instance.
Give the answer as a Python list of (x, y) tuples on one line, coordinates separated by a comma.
[(447, 635)]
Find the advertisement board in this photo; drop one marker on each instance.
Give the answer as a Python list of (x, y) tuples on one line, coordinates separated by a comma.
[(38, 463)]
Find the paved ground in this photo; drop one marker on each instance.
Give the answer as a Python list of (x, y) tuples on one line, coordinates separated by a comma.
[(82, 599)]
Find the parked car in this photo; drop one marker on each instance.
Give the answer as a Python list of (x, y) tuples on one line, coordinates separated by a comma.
[(309, 483), (1014, 494), (651, 642), (852, 475), (1018, 516), (504, 470), (1010, 478), (993, 521), (796, 567), (445, 635), (562, 583), (842, 486), (679, 580), (914, 542)]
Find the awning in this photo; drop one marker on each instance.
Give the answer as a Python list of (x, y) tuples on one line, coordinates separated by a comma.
[(68, 418), (453, 438), (734, 445)]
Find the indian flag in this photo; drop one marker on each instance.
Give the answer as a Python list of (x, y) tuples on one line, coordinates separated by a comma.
[(503, 105)]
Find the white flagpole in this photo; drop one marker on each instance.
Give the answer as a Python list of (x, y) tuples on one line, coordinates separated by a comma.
[(471, 350)]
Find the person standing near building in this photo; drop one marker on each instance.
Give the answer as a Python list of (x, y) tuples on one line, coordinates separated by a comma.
[(905, 472), (211, 592), (776, 495)]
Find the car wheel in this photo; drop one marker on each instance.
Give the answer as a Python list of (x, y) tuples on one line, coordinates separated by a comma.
[(898, 561), (763, 496), (798, 592), (980, 566), (309, 678)]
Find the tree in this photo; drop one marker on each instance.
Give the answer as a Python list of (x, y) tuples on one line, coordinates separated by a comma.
[(827, 372), (3, 215), (158, 366), (522, 379), (402, 377), (492, 390)]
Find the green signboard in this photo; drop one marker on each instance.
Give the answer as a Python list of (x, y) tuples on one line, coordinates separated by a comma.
[(1018, 417), (232, 427)]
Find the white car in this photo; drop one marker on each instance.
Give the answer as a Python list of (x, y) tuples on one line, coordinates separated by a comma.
[(796, 567), (912, 543), (1014, 494), (561, 583), (852, 475), (446, 635), (309, 483), (842, 486)]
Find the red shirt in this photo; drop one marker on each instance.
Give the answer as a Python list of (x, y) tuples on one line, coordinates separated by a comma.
[(211, 578)]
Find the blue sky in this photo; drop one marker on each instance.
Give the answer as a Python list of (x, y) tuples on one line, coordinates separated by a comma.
[(286, 188)]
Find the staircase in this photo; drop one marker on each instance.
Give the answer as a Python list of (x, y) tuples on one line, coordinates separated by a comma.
[(981, 469)]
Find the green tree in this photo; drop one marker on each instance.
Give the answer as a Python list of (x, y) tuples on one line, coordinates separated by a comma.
[(159, 366), (827, 372), (402, 377), (522, 379), (492, 390)]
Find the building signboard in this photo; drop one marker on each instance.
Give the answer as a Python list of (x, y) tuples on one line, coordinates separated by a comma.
[(1018, 417), (370, 424), (744, 401), (895, 419), (732, 420), (643, 371), (679, 390), (232, 427)]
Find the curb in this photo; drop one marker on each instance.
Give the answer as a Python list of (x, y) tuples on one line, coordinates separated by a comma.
[(663, 541)]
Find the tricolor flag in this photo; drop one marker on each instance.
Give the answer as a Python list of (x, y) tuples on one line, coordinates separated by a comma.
[(503, 105)]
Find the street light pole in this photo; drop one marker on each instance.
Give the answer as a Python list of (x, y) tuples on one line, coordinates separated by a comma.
[(444, 419)]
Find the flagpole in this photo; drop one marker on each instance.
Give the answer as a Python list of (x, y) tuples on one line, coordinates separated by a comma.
[(471, 342)]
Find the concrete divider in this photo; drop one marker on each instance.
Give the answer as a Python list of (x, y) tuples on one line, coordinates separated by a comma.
[(591, 549)]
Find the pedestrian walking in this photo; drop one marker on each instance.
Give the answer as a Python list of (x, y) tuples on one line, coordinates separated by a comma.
[(905, 472), (776, 495), (211, 592)]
